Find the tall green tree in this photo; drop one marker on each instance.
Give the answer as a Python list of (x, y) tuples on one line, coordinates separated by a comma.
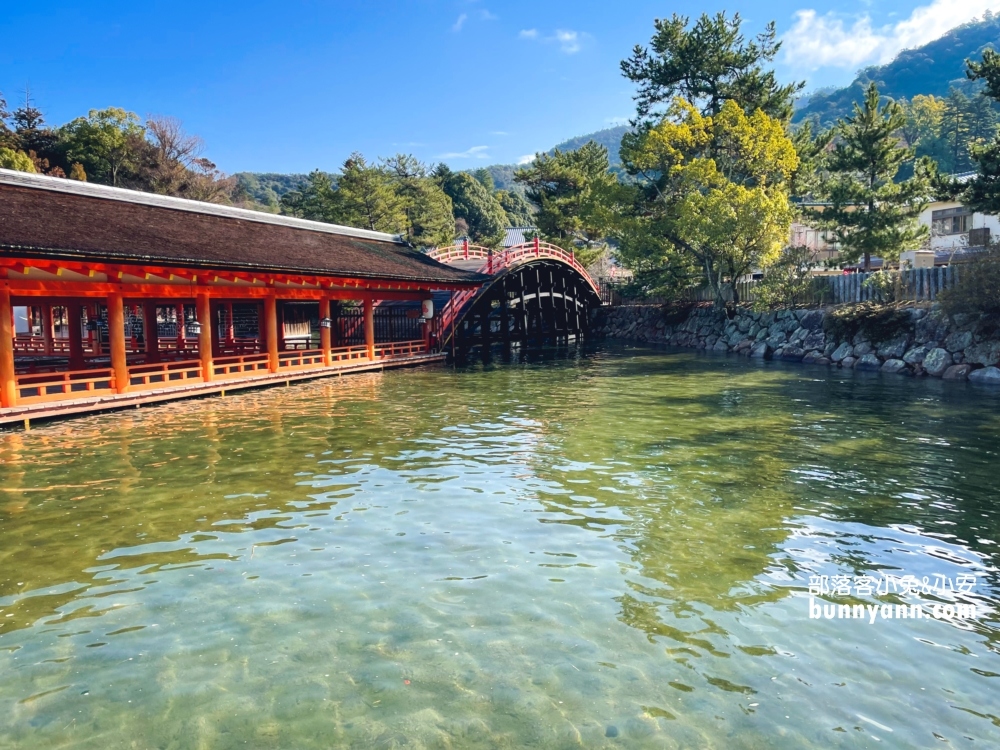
[(474, 205), (366, 197), (867, 210), (107, 142), (570, 190), (427, 208), (708, 64), (716, 190), (982, 193), (518, 210)]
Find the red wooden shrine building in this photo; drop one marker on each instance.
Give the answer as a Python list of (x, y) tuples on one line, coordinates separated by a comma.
[(112, 297)]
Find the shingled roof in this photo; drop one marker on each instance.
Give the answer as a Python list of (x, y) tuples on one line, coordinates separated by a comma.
[(50, 217)]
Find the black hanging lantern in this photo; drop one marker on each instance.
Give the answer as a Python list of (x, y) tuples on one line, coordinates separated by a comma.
[(326, 323)]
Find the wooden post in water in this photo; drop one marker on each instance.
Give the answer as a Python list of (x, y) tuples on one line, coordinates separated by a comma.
[(8, 380), (116, 339)]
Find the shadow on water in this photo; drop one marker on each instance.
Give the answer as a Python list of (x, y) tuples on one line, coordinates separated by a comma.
[(527, 553)]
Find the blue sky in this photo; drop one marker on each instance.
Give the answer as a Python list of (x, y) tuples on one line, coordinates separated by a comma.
[(296, 85)]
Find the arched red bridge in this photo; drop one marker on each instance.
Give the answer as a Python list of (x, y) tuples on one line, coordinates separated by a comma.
[(537, 292)]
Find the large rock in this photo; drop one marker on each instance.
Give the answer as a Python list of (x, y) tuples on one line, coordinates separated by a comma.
[(841, 352), (917, 354), (815, 340), (798, 336), (862, 348), (957, 372), (868, 362), (815, 358), (792, 354), (931, 328), (896, 366), (989, 375), (957, 341), (760, 351), (776, 340), (986, 353), (895, 348), (937, 361), (813, 320), (720, 346), (848, 362)]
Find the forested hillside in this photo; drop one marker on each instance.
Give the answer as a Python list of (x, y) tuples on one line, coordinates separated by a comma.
[(932, 69)]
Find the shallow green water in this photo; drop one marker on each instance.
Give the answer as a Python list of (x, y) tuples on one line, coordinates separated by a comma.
[(611, 550)]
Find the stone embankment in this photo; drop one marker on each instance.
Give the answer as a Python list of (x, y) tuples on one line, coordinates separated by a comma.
[(927, 343)]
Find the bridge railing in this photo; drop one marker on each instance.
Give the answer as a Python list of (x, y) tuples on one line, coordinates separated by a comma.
[(460, 251)]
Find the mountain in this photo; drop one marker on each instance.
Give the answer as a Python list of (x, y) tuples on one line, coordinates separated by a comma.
[(610, 138), (931, 69)]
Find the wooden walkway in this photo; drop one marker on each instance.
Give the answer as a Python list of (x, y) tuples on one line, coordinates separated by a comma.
[(27, 413)]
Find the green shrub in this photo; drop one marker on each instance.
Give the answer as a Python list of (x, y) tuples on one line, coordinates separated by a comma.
[(884, 285), (978, 288), (875, 321), (787, 282)]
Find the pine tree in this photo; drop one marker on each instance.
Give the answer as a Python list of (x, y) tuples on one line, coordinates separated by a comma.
[(982, 193), (867, 210)]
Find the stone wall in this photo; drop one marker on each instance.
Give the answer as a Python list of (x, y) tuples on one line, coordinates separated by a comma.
[(930, 344)]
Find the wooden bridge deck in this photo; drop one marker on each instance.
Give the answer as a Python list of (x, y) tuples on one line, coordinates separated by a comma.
[(26, 413)]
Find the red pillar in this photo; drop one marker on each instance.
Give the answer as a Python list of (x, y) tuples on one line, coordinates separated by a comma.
[(325, 331), (8, 379), (370, 327), (271, 328), (116, 339), (205, 337)]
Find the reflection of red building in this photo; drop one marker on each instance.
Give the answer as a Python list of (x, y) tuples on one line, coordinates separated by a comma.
[(125, 297)]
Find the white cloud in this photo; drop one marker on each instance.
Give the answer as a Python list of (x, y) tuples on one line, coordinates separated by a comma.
[(816, 41), (570, 42), (499, 132), (476, 152), (526, 159), (487, 16), (457, 26)]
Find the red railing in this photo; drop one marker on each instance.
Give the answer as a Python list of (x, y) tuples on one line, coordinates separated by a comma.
[(39, 387), (238, 365), (400, 348), (164, 373), (300, 358), (460, 251), (348, 353)]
